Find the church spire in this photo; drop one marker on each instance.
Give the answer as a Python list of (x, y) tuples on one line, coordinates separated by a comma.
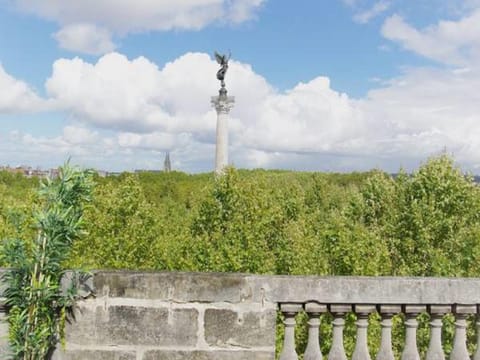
[(167, 166)]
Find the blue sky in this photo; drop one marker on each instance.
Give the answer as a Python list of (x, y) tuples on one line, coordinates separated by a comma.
[(337, 85)]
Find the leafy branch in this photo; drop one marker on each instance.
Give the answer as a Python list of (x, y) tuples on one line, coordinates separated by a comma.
[(37, 305)]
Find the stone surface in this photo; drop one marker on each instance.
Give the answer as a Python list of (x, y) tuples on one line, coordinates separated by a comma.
[(208, 355), (94, 355), (234, 288), (82, 328), (124, 325), (225, 328), (369, 290), (173, 286)]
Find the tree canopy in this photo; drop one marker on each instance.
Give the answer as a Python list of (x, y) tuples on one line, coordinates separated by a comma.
[(277, 222)]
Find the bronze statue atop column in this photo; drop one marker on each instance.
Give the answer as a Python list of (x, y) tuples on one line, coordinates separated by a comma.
[(223, 61)]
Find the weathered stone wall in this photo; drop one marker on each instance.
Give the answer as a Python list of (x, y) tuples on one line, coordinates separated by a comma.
[(171, 316), (206, 316)]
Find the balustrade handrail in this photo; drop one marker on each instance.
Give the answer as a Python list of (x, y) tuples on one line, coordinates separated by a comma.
[(294, 288)]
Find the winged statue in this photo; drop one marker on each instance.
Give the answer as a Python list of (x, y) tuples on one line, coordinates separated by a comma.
[(223, 61)]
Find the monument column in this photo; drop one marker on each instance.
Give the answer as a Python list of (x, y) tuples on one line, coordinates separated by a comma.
[(223, 104)]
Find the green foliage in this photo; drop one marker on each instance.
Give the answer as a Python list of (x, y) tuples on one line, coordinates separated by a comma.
[(242, 227), (16, 218), (425, 224), (128, 231), (123, 231), (430, 219), (279, 222), (37, 305)]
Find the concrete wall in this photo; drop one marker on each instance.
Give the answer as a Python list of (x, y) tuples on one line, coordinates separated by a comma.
[(167, 315)]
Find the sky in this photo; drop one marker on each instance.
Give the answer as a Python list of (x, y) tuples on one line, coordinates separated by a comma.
[(319, 85)]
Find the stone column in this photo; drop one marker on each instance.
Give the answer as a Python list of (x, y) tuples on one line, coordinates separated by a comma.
[(435, 349), (337, 350), (289, 311), (223, 104), (410, 351), (313, 310), (361, 347), (387, 311), (460, 351)]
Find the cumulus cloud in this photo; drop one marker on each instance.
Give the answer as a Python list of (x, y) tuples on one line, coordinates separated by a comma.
[(86, 38), (448, 42), (154, 141), (79, 19), (367, 15), (74, 141), (101, 150), (427, 110), (79, 135), (309, 118), (114, 92), (17, 96), (128, 112), (135, 95)]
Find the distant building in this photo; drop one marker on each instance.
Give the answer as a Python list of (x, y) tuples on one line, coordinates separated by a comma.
[(139, 171), (29, 172), (102, 173), (167, 166)]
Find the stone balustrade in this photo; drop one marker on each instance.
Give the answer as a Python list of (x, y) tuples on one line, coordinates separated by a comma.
[(385, 352), (173, 315), (387, 296)]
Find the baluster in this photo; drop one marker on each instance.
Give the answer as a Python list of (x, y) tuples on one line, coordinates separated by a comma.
[(386, 311), (410, 351), (313, 310), (337, 351), (460, 351), (289, 311), (361, 347), (435, 350), (476, 356)]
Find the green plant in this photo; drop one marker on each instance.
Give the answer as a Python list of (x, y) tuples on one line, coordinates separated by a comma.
[(37, 305)]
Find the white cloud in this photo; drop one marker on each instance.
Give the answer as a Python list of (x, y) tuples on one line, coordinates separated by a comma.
[(127, 112), (105, 151), (86, 38), (153, 141), (79, 135), (426, 110), (115, 92), (241, 11), (448, 42), (134, 95), (121, 17), (17, 96), (367, 15), (309, 118)]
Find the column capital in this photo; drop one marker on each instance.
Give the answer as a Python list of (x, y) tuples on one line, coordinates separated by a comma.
[(223, 103)]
